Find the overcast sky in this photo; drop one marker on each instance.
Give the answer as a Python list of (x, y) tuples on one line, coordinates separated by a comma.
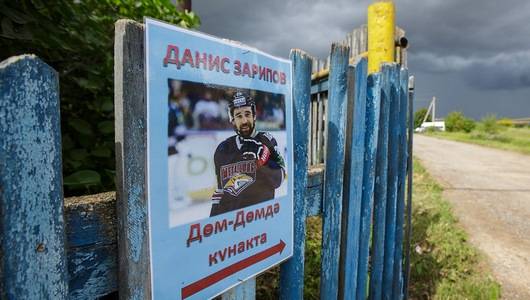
[(473, 55)]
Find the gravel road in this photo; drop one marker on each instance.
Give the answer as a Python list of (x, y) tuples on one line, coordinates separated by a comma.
[(490, 193)]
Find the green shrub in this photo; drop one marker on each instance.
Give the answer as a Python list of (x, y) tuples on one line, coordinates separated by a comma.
[(489, 124), (456, 121), (76, 38), (505, 122)]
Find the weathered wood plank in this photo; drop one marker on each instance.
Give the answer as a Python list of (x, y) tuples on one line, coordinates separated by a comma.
[(32, 244), (392, 183), (333, 180), (373, 107), (244, 291), (130, 124), (91, 220), (353, 182), (92, 254), (292, 271), (397, 281), (93, 271), (410, 129), (320, 136), (313, 193), (378, 249)]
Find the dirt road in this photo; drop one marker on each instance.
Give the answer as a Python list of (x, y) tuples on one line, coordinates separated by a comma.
[(490, 193)]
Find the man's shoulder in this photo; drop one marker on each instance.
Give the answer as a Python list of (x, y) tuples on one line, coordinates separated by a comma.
[(227, 144), (265, 135)]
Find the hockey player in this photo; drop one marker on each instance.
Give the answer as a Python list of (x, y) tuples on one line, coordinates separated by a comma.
[(248, 165)]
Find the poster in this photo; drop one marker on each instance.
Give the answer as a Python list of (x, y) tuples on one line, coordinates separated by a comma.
[(220, 162)]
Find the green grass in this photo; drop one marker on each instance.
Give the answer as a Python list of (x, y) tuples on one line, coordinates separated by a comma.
[(443, 264), (507, 138)]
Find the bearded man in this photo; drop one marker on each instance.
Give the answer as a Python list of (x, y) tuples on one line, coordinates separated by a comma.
[(248, 165)]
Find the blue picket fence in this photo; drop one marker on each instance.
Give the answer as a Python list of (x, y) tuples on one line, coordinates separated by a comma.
[(360, 193)]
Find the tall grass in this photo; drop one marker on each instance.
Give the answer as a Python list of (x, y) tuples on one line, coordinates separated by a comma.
[(443, 264)]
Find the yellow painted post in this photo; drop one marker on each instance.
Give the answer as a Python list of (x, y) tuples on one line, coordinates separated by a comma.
[(381, 34)]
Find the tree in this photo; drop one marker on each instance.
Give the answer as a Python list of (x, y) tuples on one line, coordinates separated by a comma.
[(76, 38), (419, 115)]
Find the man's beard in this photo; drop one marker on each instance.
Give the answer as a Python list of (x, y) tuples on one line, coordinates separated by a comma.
[(246, 130)]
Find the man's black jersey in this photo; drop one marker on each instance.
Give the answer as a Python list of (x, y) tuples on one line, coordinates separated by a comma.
[(242, 181)]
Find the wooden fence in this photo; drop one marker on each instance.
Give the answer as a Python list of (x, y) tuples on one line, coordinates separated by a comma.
[(351, 166)]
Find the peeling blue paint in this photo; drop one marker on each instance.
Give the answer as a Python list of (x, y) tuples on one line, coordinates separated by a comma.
[(31, 181), (334, 174), (292, 272)]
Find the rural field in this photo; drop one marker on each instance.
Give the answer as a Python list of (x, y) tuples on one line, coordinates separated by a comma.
[(507, 138)]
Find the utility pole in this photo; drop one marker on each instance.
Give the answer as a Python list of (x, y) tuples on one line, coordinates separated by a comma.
[(433, 108)]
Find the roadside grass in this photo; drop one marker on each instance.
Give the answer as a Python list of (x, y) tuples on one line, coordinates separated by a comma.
[(443, 264), (506, 138)]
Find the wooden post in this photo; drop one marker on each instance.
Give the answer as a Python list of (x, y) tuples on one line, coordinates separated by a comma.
[(244, 291), (353, 180), (334, 173), (381, 179), (373, 106), (292, 271), (130, 114), (397, 281), (32, 237), (392, 184)]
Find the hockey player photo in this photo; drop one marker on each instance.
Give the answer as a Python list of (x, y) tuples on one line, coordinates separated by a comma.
[(248, 165), (226, 149)]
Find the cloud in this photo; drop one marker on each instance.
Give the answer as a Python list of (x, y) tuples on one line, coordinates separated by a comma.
[(500, 71)]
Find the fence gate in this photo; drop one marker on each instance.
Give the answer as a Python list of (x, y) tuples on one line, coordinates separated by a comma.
[(352, 153)]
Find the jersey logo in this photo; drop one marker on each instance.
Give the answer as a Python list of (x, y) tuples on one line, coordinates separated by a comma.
[(238, 176), (237, 184)]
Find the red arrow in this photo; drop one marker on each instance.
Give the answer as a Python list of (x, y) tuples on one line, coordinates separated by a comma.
[(207, 281)]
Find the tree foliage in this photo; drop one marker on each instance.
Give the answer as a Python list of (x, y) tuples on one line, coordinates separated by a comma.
[(456, 121), (76, 38), (419, 115)]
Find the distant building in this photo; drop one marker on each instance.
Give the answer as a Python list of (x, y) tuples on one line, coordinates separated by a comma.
[(437, 125)]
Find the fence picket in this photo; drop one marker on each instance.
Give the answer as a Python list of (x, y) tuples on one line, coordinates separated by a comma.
[(354, 181), (392, 183), (373, 108), (381, 179), (333, 182), (410, 129), (292, 271), (32, 239), (397, 280), (130, 115)]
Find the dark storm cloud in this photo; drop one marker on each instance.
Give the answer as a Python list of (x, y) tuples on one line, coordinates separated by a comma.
[(277, 26), (500, 71), (482, 42), (475, 48)]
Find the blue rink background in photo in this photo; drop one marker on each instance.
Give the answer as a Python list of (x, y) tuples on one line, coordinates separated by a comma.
[(174, 265)]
